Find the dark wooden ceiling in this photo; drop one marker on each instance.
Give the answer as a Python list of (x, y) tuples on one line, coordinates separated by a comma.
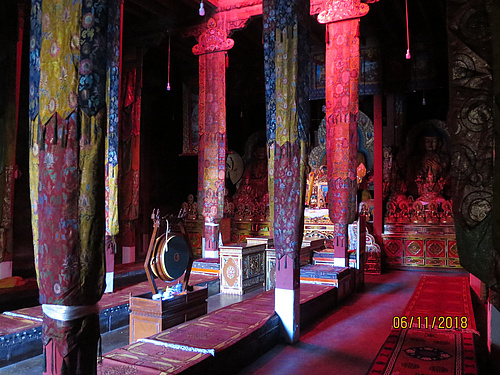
[(150, 20)]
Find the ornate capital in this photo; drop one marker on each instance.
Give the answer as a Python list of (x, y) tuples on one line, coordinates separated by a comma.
[(213, 39), (340, 10)]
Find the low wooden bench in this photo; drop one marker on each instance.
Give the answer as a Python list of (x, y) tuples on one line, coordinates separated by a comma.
[(222, 341), (21, 330)]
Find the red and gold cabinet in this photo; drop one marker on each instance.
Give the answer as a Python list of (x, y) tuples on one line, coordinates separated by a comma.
[(426, 246)]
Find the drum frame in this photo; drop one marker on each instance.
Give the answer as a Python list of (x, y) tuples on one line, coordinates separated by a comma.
[(153, 264)]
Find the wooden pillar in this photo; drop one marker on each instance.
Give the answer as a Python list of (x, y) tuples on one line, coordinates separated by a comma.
[(342, 73), (377, 169), (211, 49)]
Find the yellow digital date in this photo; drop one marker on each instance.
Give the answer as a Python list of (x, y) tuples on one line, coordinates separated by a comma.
[(426, 322)]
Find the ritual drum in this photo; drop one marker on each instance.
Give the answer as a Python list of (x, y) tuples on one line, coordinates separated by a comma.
[(170, 258)]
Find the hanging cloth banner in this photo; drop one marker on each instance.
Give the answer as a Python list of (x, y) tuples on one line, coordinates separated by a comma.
[(285, 130), (34, 87), (112, 102), (269, 34)]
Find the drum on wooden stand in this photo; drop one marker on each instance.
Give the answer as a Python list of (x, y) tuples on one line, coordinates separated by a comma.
[(169, 256)]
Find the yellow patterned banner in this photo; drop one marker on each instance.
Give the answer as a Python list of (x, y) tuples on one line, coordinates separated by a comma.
[(59, 58)]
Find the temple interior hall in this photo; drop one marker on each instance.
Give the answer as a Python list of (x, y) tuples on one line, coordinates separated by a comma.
[(249, 187)]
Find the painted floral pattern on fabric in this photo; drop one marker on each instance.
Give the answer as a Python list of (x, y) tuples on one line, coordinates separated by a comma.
[(93, 50), (270, 94), (67, 156), (286, 141), (70, 245), (35, 47), (59, 60), (130, 145), (113, 89)]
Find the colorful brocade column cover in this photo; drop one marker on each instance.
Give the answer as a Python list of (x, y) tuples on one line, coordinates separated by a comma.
[(211, 49), (69, 65), (286, 136), (341, 74), (115, 25)]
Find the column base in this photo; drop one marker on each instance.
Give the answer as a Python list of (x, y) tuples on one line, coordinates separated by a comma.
[(287, 306), (128, 254), (5, 269), (340, 262), (109, 282), (210, 241)]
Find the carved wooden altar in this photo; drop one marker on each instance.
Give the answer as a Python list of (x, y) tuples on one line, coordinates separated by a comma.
[(242, 268), (420, 245)]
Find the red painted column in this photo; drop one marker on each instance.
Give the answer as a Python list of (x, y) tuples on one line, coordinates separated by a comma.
[(342, 73), (211, 48), (377, 169)]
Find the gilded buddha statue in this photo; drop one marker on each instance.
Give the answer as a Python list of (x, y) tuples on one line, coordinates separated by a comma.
[(420, 178), (252, 199)]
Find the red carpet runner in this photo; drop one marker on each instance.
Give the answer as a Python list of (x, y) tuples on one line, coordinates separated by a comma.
[(434, 334)]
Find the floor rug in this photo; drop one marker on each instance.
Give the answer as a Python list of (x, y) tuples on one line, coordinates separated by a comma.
[(441, 303), (414, 352), (146, 358)]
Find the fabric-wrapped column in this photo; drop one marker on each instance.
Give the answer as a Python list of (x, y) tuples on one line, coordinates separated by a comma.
[(68, 113), (286, 138)]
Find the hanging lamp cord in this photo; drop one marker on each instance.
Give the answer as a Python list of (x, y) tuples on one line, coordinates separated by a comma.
[(168, 69), (408, 56)]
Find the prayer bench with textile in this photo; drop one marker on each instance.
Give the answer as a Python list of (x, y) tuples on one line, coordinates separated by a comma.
[(148, 316)]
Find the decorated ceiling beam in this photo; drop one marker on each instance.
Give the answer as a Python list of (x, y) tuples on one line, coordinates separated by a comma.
[(230, 15)]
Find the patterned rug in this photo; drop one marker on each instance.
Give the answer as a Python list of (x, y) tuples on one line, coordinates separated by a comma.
[(206, 266), (146, 358), (441, 303), (414, 352)]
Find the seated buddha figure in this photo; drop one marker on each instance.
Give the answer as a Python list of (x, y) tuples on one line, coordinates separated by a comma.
[(252, 191), (427, 164)]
